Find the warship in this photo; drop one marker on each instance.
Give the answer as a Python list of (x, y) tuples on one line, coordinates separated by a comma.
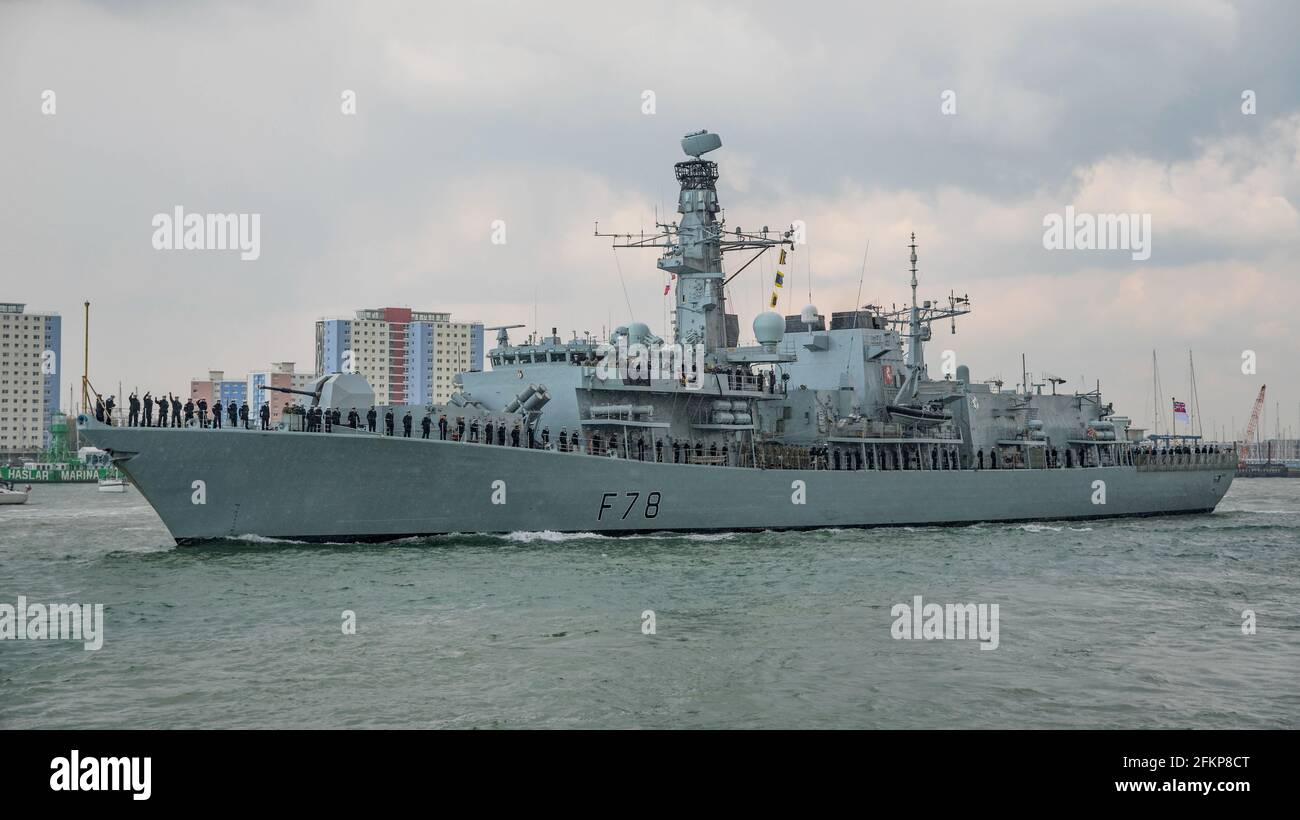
[(819, 424)]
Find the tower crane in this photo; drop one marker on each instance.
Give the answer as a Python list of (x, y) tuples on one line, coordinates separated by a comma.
[(1244, 446)]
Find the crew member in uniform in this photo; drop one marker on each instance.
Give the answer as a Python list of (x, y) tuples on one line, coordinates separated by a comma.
[(203, 412), (99, 409), (265, 415), (370, 419), (216, 415), (425, 424), (243, 414), (354, 418), (406, 425), (442, 427), (148, 409), (388, 422), (133, 414), (514, 436), (232, 413)]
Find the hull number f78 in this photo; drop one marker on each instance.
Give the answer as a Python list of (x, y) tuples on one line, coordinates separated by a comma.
[(627, 502)]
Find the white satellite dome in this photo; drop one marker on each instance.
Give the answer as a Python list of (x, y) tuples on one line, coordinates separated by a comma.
[(769, 327), (808, 315), (638, 332)]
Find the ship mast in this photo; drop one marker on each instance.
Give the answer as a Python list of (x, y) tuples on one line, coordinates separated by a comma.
[(917, 320), (693, 248), (915, 352), (85, 365)]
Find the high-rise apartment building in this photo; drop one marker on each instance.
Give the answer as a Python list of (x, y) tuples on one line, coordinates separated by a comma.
[(408, 356), (30, 364)]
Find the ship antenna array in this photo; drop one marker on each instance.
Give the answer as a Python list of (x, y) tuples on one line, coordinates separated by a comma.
[(913, 247), (733, 240), (926, 312)]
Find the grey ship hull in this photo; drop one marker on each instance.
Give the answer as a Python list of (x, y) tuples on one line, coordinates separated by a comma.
[(348, 487)]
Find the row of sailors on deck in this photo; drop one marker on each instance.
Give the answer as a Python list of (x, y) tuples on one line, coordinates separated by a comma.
[(140, 412), (315, 419), (739, 378), (887, 458)]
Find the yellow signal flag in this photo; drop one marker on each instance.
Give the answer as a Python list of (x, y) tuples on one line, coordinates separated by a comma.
[(782, 262), (773, 304), (780, 278)]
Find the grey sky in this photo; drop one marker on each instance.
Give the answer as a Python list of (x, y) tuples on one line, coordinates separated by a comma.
[(531, 113)]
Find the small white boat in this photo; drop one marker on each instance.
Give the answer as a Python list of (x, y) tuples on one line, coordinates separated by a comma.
[(12, 495), (112, 485)]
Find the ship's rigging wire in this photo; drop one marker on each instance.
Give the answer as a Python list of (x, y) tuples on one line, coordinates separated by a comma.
[(789, 294), (623, 282), (1195, 398), (810, 299), (742, 267), (857, 303)]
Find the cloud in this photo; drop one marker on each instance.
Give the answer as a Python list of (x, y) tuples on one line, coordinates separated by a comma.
[(467, 113)]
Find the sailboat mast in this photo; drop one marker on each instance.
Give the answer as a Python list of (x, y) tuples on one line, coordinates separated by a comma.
[(1196, 398), (1155, 395)]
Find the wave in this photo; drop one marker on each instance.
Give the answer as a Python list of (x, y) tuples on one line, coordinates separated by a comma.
[(1266, 512), (1035, 528), (251, 538), (550, 536)]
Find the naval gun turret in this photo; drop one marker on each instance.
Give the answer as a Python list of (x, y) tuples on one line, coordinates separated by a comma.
[(334, 390)]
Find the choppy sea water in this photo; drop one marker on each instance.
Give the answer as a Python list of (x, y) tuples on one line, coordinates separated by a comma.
[(1134, 623)]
